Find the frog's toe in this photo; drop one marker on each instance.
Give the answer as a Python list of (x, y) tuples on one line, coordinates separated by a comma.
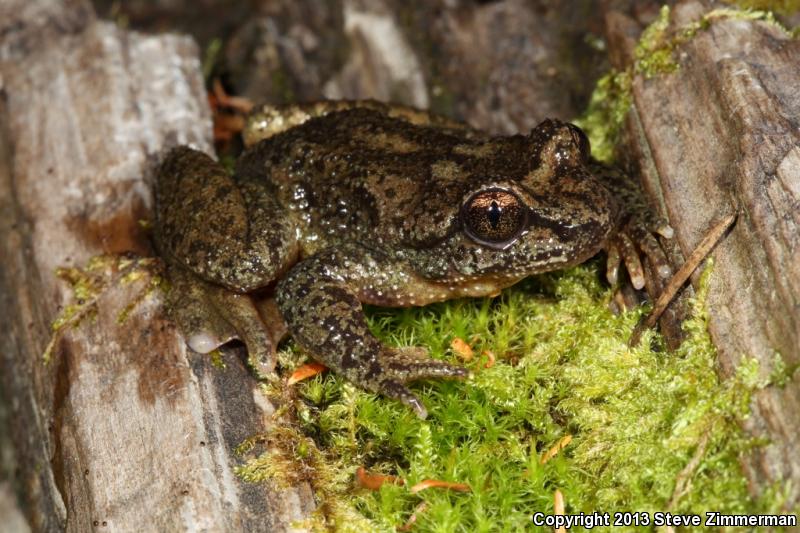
[(394, 389), (612, 263), (633, 245), (204, 341), (631, 258), (241, 313), (211, 315), (653, 251), (410, 364)]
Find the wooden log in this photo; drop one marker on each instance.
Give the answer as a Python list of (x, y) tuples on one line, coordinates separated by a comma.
[(123, 430), (721, 133), (10, 515)]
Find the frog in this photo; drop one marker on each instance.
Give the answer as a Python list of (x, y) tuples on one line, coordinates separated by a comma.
[(336, 204)]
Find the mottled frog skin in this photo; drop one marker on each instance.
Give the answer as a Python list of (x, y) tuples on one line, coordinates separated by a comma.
[(337, 204)]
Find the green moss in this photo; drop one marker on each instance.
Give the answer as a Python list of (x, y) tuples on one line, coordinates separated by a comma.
[(603, 119), (652, 430), (88, 283), (780, 7), (655, 52), (217, 360)]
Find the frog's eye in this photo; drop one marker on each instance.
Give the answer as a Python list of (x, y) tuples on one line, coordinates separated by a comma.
[(494, 217)]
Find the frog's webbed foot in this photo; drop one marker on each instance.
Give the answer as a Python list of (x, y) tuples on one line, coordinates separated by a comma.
[(413, 363), (210, 316), (635, 239), (404, 365)]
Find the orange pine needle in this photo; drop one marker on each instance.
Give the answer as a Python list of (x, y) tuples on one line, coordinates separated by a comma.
[(305, 371), (413, 518), (557, 447), (223, 99), (431, 483), (374, 481), (462, 349), (559, 508)]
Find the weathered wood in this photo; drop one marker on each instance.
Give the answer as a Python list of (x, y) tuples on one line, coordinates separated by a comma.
[(124, 429), (501, 66), (720, 134), (11, 518)]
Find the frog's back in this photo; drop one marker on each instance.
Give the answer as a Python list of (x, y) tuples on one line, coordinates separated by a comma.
[(360, 174)]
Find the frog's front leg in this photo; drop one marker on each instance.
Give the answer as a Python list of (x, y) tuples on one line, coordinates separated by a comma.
[(319, 300), (637, 226)]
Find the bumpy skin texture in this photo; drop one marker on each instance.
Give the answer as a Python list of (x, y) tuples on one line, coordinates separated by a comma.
[(337, 204)]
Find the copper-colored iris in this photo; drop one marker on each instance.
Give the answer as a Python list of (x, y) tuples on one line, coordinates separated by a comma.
[(494, 217)]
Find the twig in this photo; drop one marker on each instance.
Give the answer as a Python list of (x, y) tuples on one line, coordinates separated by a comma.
[(679, 278)]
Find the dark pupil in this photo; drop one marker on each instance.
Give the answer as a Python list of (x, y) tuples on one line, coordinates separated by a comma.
[(494, 217), (494, 214)]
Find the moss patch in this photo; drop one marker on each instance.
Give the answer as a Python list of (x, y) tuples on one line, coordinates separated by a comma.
[(655, 52), (608, 105), (88, 284), (651, 430), (654, 55)]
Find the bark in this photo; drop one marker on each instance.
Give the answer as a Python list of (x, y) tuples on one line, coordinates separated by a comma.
[(722, 134), (123, 429), (501, 66)]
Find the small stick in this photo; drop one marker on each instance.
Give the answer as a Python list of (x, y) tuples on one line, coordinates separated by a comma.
[(429, 483), (559, 508), (679, 278), (375, 481), (557, 447)]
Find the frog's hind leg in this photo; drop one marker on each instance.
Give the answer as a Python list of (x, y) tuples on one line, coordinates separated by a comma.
[(210, 316), (226, 229), (412, 363)]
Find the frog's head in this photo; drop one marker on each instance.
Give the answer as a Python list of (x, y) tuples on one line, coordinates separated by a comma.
[(546, 215)]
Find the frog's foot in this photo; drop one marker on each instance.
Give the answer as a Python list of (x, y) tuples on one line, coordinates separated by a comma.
[(633, 238), (637, 227), (210, 316), (394, 389), (403, 365)]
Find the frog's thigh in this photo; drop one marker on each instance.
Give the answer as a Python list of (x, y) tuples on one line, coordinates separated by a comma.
[(268, 120), (210, 316), (226, 231)]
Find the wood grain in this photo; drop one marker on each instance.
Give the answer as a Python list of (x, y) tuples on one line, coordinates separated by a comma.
[(722, 134), (123, 430)]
